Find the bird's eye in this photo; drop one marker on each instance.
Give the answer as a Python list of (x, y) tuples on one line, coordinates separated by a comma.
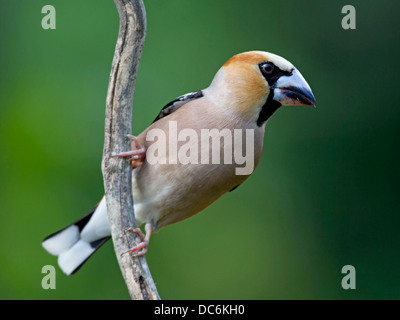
[(268, 68)]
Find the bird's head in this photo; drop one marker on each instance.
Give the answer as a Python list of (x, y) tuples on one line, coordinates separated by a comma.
[(254, 84)]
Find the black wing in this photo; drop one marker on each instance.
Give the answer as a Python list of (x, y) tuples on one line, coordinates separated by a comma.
[(177, 103)]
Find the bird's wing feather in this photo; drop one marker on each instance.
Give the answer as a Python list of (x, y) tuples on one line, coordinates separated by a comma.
[(177, 103)]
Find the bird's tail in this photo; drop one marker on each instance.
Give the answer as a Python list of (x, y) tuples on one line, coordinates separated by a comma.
[(74, 244)]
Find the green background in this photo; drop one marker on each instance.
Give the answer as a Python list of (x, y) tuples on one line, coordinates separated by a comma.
[(325, 195)]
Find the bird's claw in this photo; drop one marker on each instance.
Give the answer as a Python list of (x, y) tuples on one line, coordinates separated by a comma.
[(142, 245), (141, 248), (139, 153)]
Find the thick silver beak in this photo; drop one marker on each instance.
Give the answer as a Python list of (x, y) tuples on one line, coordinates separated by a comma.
[(293, 90)]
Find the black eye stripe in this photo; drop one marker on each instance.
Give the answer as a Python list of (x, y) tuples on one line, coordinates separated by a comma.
[(270, 105), (273, 76)]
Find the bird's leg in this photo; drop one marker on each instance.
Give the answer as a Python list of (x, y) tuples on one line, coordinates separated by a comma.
[(144, 238), (136, 154)]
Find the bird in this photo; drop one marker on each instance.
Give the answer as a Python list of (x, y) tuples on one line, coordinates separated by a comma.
[(243, 95)]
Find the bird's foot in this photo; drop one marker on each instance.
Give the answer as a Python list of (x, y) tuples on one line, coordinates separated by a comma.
[(138, 152), (141, 248)]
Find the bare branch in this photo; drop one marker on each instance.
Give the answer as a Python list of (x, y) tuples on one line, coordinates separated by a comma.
[(117, 173)]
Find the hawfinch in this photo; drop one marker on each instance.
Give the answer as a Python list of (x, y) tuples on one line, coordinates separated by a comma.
[(193, 151)]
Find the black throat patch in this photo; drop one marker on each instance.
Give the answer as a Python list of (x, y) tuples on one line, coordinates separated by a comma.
[(268, 109)]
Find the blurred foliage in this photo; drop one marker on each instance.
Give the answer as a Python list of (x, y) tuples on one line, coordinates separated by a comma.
[(325, 194)]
